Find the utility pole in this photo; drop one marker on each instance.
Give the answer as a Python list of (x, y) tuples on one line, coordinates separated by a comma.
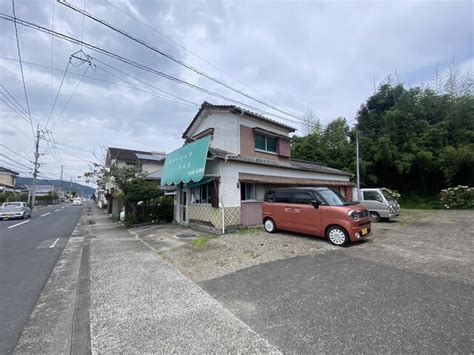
[(357, 166), (35, 171)]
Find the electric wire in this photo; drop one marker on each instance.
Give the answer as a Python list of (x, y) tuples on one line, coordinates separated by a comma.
[(70, 97), (59, 90), (172, 58), (12, 151), (17, 105), (21, 67), (137, 65), (129, 86), (142, 81), (14, 161), (194, 54)]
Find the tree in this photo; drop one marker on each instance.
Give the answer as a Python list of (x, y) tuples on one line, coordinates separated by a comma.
[(131, 182), (311, 123)]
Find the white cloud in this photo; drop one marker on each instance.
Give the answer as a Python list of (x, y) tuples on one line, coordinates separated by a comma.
[(322, 55)]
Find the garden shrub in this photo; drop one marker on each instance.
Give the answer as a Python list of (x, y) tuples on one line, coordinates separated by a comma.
[(459, 197)]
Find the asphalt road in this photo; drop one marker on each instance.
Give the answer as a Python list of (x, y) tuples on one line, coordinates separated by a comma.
[(28, 252), (337, 303)]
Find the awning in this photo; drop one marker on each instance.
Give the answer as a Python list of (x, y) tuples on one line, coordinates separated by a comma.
[(187, 163)]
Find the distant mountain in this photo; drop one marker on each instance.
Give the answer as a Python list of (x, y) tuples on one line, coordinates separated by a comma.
[(67, 186)]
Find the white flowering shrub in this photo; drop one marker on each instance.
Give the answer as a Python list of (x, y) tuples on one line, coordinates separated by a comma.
[(459, 197), (394, 193)]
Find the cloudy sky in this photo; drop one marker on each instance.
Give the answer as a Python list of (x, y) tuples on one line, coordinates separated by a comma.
[(294, 55)]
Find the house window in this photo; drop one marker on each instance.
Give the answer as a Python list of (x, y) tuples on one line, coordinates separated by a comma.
[(247, 191), (265, 143), (201, 194)]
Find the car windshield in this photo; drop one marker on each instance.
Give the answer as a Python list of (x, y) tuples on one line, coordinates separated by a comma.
[(387, 195), (11, 204), (332, 198)]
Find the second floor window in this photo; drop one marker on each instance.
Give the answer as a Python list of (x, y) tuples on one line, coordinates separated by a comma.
[(265, 143)]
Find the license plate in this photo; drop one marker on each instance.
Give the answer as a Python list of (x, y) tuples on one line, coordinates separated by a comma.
[(363, 231)]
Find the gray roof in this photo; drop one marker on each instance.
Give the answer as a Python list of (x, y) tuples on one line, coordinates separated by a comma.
[(290, 164), (236, 110), (5, 170)]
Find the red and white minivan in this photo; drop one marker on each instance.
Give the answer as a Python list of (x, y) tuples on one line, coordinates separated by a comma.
[(317, 211)]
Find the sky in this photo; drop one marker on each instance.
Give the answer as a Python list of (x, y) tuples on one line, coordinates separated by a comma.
[(326, 56)]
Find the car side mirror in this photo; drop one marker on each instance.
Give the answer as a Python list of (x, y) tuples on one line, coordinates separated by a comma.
[(315, 203)]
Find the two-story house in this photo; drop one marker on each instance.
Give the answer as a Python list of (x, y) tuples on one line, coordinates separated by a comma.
[(231, 158), (8, 180), (149, 163)]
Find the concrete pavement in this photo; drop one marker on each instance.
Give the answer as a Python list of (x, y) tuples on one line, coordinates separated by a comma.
[(29, 250), (141, 304)]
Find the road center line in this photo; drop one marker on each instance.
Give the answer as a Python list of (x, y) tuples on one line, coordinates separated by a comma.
[(45, 214), (16, 225), (54, 243), (57, 210)]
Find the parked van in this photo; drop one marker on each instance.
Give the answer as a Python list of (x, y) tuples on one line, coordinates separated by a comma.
[(380, 204), (317, 211)]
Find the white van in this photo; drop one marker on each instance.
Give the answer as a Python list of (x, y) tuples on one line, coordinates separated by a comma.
[(380, 203)]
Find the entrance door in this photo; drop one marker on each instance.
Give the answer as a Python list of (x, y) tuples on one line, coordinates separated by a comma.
[(182, 207)]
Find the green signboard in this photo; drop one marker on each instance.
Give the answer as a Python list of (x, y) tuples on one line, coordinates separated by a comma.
[(186, 163)]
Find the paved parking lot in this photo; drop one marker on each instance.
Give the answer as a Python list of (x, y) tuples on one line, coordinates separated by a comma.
[(407, 289)]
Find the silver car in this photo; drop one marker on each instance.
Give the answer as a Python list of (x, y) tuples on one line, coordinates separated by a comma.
[(380, 203), (12, 210)]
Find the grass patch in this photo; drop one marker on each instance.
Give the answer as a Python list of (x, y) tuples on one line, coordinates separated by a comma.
[(202, 241)]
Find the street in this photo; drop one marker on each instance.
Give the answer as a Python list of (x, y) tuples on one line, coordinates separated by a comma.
[(29, 250)]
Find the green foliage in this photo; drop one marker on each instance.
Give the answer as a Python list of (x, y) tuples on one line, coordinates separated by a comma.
[(459, 197), (417, 141), (412, 201), (144, 201), (330, 145)]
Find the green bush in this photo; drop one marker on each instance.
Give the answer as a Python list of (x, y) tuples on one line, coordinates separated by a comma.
[(420, 203), (459, 197)]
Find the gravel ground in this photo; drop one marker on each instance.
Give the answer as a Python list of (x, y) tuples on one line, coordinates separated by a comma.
[(248, 247), (410, 236)]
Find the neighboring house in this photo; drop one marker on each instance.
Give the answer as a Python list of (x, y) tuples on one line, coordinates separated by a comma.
[(149, 163), (231, 158), (8, 181)]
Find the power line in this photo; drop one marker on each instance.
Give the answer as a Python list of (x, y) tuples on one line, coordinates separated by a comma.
[(172, 58), (21, 67), (14, 161), (12, 151), (130, 86), (14, 109), (17, 105), (142, 81), (185, 49), (138, 65), (70, 96), (59, 90)]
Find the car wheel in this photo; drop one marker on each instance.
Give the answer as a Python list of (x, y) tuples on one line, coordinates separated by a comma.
[(374, 216), (337, 236), (269, 225)]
